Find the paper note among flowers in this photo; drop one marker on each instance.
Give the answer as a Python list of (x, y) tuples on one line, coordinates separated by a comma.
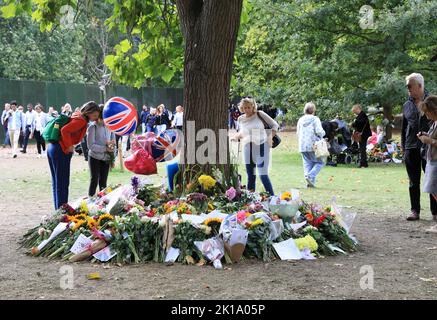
[(105, 254), (216, 214), (80, 244), (238, 236), (193, 219), (297, 226), (172, 255), (287, 250)]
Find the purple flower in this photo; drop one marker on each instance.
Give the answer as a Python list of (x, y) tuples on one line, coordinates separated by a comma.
[(231, 193), (135, 183)]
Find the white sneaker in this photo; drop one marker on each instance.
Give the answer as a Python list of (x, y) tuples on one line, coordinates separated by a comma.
[(38, 156), (310, 184)]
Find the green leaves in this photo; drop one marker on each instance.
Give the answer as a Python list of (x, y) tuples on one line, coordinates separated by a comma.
[(149, 49), (8, 11), (293, 52), (123, 46)]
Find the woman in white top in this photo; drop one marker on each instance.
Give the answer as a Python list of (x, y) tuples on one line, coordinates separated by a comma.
[(256, 140), (38, 125), (310, 130)]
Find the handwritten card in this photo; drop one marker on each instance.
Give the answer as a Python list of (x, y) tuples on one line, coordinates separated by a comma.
[(80, 244)]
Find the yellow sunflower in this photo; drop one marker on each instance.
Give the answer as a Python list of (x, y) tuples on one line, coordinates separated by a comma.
[(286, 196), (91, 223), (78, 224), (212, 220), (104, 217), (81, 216)]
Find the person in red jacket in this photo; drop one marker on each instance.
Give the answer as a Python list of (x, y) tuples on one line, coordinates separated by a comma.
[(59, 153)]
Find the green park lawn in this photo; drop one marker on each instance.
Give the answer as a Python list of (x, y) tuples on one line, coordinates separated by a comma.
[(381, 188)]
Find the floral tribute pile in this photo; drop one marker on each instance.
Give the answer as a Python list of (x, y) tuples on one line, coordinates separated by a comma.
[(140, 222), (385, 152)]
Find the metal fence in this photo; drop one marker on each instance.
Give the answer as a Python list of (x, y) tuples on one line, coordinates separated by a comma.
[(56, 94)]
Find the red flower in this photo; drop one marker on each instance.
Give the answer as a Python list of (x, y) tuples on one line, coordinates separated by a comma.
[(319, 221), (151, 213), (309, 216)]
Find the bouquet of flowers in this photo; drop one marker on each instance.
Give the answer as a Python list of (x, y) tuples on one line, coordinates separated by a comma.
[(199, 201), (110, 151), (139, 222), (285, 206)]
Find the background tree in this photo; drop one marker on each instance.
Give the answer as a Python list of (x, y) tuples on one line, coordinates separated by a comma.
[(153, 48), (296, 51), (26, 53)]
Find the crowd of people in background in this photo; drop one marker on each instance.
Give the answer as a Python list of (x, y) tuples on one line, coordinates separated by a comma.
[(159, 119), (85, 132), (419, 139), (20, 127)]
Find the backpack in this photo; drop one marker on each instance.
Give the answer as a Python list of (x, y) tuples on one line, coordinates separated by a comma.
[(52, 131)]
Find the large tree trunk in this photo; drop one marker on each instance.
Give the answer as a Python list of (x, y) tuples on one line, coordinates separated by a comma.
[(210, 30)]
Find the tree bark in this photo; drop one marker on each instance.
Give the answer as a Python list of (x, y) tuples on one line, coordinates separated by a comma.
[(210, 29)]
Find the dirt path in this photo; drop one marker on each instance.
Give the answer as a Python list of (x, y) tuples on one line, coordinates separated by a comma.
[(399, 253)]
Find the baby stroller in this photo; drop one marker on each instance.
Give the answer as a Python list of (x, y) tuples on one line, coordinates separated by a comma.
[(342, 150)]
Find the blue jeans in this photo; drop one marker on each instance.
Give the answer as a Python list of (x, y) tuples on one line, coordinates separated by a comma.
[(150, 129), (7, 141), (257, 156), (311, 165), (60, 169)]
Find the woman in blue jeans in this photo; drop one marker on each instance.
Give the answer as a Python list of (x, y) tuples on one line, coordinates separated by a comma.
[(256, 142), (310, 130), (59, 153)]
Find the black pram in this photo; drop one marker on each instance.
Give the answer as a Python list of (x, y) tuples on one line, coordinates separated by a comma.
[(341, 149)]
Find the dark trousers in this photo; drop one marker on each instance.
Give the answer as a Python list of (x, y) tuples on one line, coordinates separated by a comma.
[(119, 138), (415, 164), (99, 171), (363, 152), (84, 147), (20, 140), (26, 138), (40, 143), (60, 169)]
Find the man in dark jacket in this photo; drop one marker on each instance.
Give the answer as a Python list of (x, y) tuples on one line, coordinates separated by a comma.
[(362, 125), (413, 122)]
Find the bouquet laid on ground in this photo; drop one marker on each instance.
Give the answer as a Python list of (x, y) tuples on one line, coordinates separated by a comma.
[(140, 222), (385, 152)]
